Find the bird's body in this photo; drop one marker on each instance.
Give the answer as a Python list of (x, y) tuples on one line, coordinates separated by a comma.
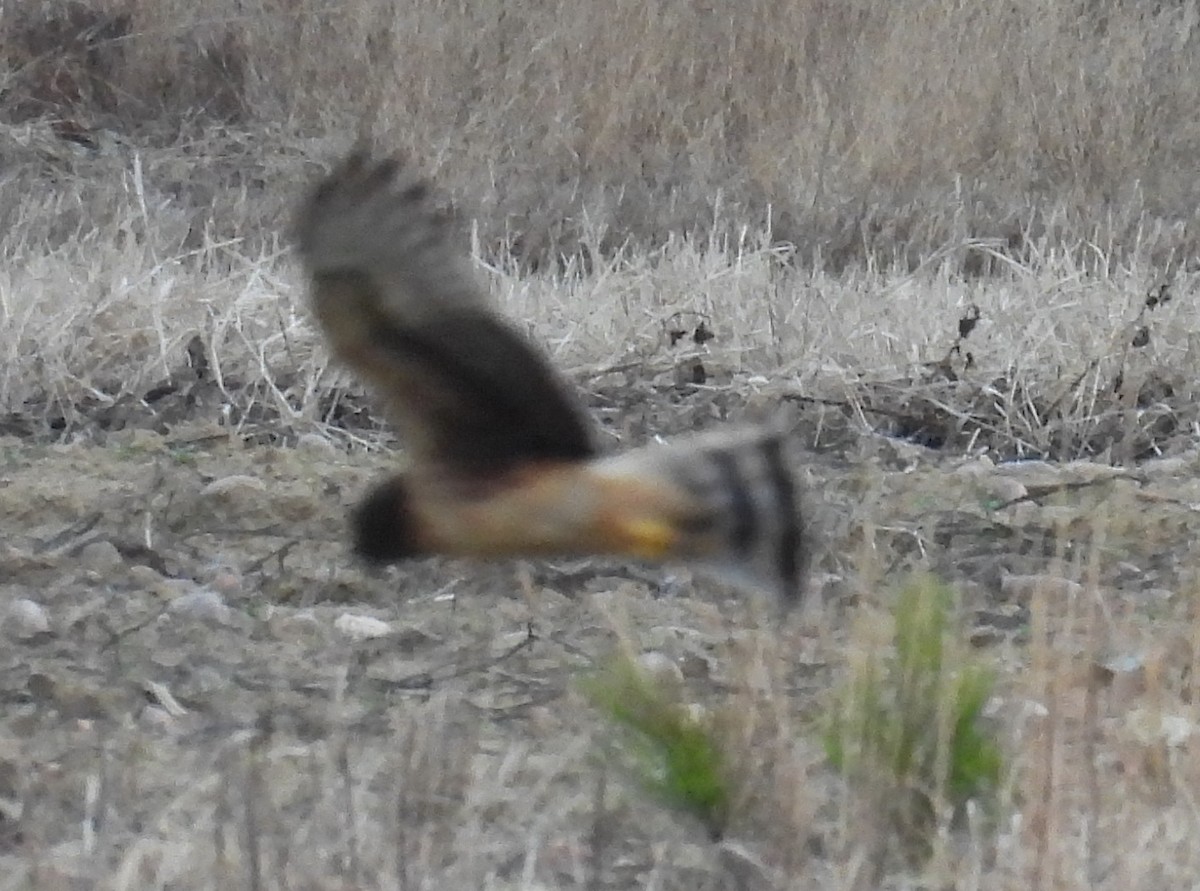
[(502, 458)]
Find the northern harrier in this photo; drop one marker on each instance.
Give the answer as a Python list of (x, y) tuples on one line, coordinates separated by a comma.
[(502, 460)]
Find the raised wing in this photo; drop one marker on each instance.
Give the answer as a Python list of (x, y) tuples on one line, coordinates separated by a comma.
[(400, 302)]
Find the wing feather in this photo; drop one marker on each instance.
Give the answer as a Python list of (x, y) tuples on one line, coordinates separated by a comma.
[(400, 302)]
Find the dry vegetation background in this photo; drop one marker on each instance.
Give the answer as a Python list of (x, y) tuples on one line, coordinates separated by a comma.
[(973, 224), (832, 184)]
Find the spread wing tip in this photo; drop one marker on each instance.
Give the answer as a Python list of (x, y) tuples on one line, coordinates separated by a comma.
[(365, 209)]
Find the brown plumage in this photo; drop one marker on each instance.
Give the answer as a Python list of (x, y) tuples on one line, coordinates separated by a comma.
[(501, 457)]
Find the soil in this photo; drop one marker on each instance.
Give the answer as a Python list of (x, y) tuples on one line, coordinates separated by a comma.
[(202, 685)]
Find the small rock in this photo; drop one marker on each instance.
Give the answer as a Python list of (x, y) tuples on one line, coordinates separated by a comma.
[(73, 700), (1150, 726), (361, 627), (411, 638), (65, 865), (41, 686), (670, 586), (984, 637), (1169, 467), (1090, 471), (145, 576), (1003, 617), (100, 557), (1155, 596), (695, 666), (1004, 488), (975, 468), (896, 454), (26, 619), (295, 626), (157, 718), (162, 695), (201, 603), (1021, 710), (234, 484), (1021, 588), (171, 589), (663, 670), (207, 680), (315, 444), (14, 560), (1124, 673), (226, 581), (1032, 472)]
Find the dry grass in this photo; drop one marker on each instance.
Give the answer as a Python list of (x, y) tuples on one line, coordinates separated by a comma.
[(110, 276), (830, 188), (861, 130), (764, 170)]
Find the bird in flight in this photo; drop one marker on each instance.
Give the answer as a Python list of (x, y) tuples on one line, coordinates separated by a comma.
[(501, 460)]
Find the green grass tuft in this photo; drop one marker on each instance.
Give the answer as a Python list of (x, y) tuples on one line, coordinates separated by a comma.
[(907, 723), (674, 755)]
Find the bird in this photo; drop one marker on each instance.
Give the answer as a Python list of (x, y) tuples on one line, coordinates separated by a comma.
[(501, 459)]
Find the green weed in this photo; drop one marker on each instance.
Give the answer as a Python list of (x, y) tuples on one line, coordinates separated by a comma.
[(672, 752), (907, 724)]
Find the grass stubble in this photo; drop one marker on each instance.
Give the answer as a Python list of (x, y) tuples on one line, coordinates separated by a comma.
[(835, 190)]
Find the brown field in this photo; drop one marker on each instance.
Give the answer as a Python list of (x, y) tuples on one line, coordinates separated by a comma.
[(192, 699)]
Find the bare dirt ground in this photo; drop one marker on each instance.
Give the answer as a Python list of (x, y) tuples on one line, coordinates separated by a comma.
[(202, 689)]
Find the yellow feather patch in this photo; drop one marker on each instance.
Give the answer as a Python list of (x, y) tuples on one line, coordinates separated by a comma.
[(649, 539)]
